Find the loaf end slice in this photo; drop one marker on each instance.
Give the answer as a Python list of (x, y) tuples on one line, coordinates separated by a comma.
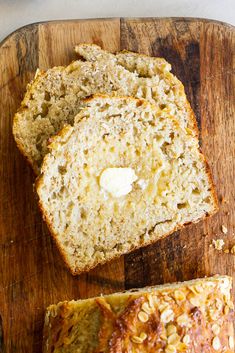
[(125, 175), (144, 65), (156, 76), (194, 316)]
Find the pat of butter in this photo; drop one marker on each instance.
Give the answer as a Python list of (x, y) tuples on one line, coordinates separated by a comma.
[(117, 181)]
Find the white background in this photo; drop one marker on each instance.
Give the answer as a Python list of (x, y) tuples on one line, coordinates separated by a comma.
[(17, 13)]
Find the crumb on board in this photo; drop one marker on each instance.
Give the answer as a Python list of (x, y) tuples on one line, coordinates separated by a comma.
[(226, 251), (218, 244), (233, 250), (224, 229)]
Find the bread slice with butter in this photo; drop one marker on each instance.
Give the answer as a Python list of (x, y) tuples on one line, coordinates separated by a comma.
[(194, 316), (54, 97), (125, 175)]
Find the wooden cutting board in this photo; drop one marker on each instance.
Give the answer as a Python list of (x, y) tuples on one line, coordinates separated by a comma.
[(32, 273)]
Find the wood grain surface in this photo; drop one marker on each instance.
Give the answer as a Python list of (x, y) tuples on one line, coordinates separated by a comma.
[(32, 273)]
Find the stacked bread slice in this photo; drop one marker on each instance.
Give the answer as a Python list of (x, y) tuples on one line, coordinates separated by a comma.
[(54, 97), (124, 167)]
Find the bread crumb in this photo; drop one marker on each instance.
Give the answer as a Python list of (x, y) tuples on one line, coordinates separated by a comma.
[(218, 244), (226, 251), (233, 250), (224, 229)]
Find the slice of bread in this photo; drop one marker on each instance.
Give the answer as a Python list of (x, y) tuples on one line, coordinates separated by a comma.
[(54, 97), (125, 175), (194, 316), (155, 72), (145, 66)]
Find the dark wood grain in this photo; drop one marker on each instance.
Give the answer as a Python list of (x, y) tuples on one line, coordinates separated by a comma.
[(201, 55), (32, 274)]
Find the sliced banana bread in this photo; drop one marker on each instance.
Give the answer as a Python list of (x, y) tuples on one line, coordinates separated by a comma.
[(53, 98), (192, 317), (125, 175)]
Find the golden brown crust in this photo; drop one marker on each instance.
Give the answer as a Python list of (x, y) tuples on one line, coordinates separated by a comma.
[(191, 317)]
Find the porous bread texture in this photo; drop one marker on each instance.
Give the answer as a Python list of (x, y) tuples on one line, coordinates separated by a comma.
[(92, 227), (149, 68), (194, 316), (145, 66), (54, 97)]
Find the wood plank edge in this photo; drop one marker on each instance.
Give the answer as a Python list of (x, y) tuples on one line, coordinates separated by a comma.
[(186, 19), (29, 27)]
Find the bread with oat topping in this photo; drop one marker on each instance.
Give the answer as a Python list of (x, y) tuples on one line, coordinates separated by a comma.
[(192, 317), (90, 218)]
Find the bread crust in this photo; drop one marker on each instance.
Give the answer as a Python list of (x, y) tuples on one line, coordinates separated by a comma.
[(38, 75), (39, 181), (153, 314)]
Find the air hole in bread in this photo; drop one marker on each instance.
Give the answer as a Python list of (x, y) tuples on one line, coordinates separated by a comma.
[(208, 199), (39, 146), (104, 136), (47, 96), (44, 110), (83, 213), (139, 103), (196, 191), (62, 169), (182, 205), (105, 107)]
